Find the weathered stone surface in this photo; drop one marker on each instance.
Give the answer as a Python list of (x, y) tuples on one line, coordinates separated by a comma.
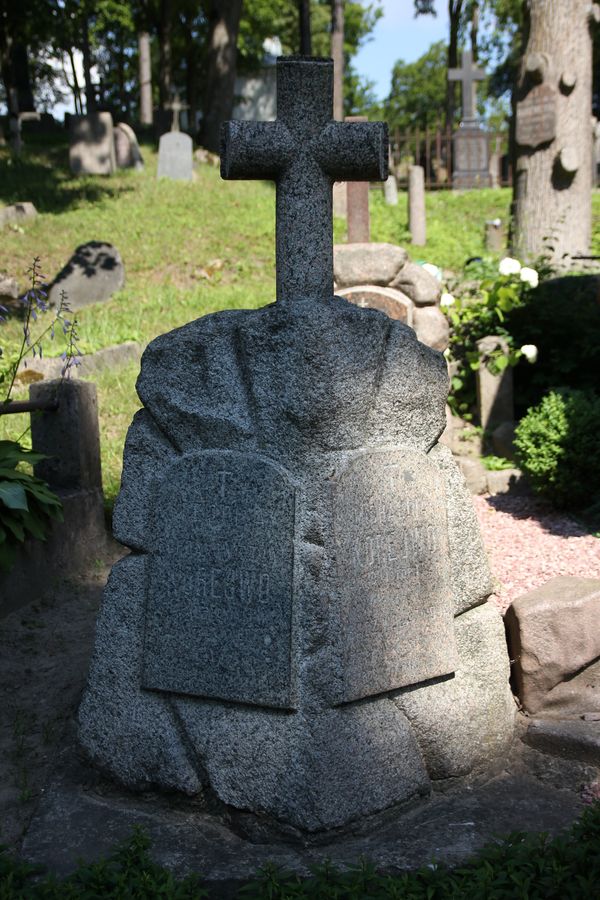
[(317, 770), (175, 156), (502, 481), (503, 440), (567, 738), (578, 696), (17, 213), (131, 733), (393, 303), (474, 473), (417, 222), (127, 149), (395, 605), (358, 370), (465, 724), (232, 591), (390, 190), (432, 327), (93, 274), (92, 145), (304, 151), (471, 578), (495, 401), (418, 284), (9, 288), (367, 264), (552, 634)]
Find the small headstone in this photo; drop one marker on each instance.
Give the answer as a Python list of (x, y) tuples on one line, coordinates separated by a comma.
[(416, 206), (127, 150), (17, 213), (93, 274), (495, 236), (495, 400), (390, 190), (9, 288), (175, 158), (92, 144)]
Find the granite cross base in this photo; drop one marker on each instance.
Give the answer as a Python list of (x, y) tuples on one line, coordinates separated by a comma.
[(300, 628)]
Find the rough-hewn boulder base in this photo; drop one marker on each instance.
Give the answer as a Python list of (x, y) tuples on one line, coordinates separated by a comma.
[(300, 627)]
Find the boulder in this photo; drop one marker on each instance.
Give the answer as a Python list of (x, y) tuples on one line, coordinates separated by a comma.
[(418, 284), (93, 274), (432, 327), (17, 213), (9, 288), (376, 264), (552, 635)]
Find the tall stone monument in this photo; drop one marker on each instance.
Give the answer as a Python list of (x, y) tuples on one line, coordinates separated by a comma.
[(470, 142), (298, 630)]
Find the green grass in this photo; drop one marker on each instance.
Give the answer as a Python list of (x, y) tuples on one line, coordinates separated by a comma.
[(188, 250)]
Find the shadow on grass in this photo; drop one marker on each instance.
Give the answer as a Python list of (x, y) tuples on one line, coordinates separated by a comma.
[(41, 176)]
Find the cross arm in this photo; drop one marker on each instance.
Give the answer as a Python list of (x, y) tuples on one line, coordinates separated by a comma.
[(353, 151), (255, 149)]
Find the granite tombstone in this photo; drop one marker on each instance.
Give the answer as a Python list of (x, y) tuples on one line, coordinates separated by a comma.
[(91, 144), (92, 275), (298, 628)]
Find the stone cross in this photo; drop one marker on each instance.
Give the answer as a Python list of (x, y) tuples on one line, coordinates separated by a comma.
[(176, 106), (467, 75), (304, 151)]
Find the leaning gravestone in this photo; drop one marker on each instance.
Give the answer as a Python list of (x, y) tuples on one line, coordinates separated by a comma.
[(91, 144), (299, 628), (93, 274), (127, 149)]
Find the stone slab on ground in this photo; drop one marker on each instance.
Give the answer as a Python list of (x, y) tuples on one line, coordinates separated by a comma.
[(570, 738), (93, 274), (17, 213), (80, 817), (89, 364)]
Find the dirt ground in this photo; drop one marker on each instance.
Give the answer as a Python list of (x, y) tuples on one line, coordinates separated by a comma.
[(44, 658)]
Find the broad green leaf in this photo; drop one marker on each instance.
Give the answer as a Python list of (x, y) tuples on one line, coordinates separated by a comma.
[(13, 496)]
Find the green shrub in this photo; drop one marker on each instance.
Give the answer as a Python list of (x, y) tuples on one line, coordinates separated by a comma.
[(557, 445), (562, 318)]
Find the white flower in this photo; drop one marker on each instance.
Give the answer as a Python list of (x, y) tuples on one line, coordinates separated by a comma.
[(447, 300), (509, 266), (530, 276), (433, 270), (530, 351)]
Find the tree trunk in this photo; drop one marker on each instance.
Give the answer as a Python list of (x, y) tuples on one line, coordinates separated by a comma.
[(553, 178), (224, 21), (22, 78), (165, 61), (305, 37), (90, 96), (145, 69), (337, 53), (454, 11), (6, 65), (75, 86)]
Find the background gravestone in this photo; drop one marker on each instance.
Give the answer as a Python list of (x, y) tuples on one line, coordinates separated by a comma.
[(175, 156), (92, 275), (91, 144), (299, 627), (127, 149), (470, 142)]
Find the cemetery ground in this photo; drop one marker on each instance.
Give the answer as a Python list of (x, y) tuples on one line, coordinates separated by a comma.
[(188, 249)]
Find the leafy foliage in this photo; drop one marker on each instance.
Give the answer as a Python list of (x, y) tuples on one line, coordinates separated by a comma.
[(527, 866), (418, 91), (482, 311), (27, 505), (556, 445)]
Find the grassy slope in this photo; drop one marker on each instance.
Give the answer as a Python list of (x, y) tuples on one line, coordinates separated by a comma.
[(188, 250)]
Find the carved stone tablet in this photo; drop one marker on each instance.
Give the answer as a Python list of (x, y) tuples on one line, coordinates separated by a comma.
[(396, 622), (536, 117), (219, 594)]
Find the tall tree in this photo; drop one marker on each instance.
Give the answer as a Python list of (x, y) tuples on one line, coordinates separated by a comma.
[(418, 91), (552, 188), (224, 21), (456, 9)]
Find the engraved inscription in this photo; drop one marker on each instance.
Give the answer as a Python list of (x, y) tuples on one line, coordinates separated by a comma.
[(536, 117), (396, 618), (219, 598)]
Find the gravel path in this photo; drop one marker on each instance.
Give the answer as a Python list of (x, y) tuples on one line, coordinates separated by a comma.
[(528, 543)]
